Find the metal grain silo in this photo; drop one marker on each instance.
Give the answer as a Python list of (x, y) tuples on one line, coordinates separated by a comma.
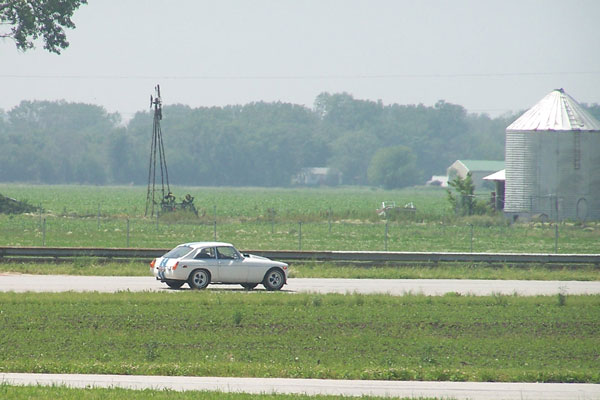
[(553, 161)]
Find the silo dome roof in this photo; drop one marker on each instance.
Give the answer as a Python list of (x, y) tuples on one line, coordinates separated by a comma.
[(556, 112)]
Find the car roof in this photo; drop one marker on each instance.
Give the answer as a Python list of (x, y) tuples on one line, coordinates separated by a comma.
[(196, 245)]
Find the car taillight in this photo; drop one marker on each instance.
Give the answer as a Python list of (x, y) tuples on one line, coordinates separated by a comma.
[(152, 263), (175, 266)]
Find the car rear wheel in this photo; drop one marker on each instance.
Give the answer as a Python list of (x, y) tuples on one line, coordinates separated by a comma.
[(274, 279), (199, 279), (249, 286), (174, 284)]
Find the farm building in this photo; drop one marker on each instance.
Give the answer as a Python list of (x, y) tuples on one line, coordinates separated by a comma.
[(553, 161), (316, 176), (478, 169), (438, 180), (499, 179)]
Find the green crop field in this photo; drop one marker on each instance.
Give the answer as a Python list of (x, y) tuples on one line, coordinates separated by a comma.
[(494, 338), (277, 219)]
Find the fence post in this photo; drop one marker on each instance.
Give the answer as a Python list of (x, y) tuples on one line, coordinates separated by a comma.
[(471, 238), (157, 214), (386, 235), (44, 233), (127, 232), (329, 219), (215, 222), (98, 217), (556, 237), (299, 235)]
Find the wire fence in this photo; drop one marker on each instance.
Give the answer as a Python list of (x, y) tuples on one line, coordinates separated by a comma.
[(343, 235)]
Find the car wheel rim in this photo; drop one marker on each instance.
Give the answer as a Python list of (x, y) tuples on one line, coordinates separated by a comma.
[(199, 279), (275, 279)]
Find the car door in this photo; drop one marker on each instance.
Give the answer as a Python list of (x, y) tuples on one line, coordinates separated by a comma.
[(206, 258), (231, 266)]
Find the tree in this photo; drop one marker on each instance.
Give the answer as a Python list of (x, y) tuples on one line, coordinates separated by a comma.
[(593, 109), (465, 203), (350, 154), (27, 20), (393, 167), (347, 113)]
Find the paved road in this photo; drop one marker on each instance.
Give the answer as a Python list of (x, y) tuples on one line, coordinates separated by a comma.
[(456, 390), (396, 287)]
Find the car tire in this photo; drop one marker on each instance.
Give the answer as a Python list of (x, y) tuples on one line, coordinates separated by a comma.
[(274, 279), (199, 279), (249, 286), (174, 284)]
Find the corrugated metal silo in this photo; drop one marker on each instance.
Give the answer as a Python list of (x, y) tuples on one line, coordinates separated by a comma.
[(553, 161)]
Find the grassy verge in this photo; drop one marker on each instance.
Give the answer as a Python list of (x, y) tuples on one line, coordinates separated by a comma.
[(496, 338), (90, 266), (58, 392), (449, 271), (85, 266)]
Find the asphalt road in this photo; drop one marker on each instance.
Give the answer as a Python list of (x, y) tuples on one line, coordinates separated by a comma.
[(455, 390), (396, 287)]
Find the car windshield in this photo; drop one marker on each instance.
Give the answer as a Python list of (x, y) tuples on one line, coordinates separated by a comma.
[(178, 252)]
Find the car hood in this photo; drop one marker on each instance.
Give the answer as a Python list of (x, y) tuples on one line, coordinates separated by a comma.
[(255, 257)]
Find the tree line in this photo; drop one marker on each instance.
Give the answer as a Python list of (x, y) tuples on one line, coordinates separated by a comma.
[(257, 144)]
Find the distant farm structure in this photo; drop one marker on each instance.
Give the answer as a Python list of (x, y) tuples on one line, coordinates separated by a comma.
[(478, 169), (318, 176), (553, 162)]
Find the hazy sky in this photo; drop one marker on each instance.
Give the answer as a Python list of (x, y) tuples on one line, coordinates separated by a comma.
[(489, 56)]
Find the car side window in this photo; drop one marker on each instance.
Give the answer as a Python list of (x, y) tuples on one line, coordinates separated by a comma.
[(227, 253), (205, 253)]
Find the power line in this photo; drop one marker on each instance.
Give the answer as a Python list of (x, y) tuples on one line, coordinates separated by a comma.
[(300, 77)]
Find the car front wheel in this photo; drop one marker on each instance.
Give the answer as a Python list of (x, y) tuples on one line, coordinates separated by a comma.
[(274, 279), (199, 279)]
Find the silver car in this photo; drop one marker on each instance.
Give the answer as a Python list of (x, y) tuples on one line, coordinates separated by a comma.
[(201, 263)]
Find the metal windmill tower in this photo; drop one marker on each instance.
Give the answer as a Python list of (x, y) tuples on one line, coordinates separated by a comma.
[(157, 155)]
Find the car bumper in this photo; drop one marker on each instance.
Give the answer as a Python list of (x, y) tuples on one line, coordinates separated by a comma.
[(165, 274)]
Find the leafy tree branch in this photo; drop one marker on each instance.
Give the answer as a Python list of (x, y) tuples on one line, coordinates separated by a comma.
[(29, 20)]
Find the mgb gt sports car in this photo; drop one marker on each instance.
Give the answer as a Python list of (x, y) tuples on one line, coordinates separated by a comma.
[(201, 263)]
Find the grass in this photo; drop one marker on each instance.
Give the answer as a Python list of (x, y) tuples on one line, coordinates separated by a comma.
[(448, 271), (8, 392), (269, 219), (89, 266), (82, 266), (25, 230), (449, 338), (264, 204)]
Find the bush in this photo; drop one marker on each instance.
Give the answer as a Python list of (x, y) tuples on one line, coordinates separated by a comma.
[(12, 206)]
